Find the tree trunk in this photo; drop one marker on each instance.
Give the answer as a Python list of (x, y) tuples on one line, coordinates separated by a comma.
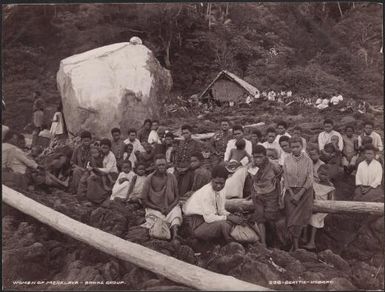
[(158, 263), (320, 206)]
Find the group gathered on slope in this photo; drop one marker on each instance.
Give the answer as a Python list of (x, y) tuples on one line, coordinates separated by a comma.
[(180, 180)]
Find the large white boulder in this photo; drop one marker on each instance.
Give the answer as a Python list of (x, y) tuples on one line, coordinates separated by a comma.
[(118, 85)]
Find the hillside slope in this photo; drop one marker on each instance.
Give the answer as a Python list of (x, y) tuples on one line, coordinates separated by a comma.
[(308, 48)]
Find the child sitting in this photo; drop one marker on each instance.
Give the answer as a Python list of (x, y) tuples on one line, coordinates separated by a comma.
[(136, 187), (332, 157), (124, 181), (323, 190), (349, 152), (129, 155), (239, 153)]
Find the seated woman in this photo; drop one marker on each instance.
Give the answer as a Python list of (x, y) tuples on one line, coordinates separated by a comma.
[(147, 157), (100, 181), (331, 156)]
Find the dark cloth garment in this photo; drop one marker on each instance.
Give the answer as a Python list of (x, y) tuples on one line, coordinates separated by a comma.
[(81, 156), (202, 176), (198, 228), (185, 181), (298, 216), (15, 180), (96, 186), (266, 179), (373, 195), (184, 151), (166, 198), (148, 160), (143, 134), (77, 175), (219, 143), (192, 180), (266, 207)]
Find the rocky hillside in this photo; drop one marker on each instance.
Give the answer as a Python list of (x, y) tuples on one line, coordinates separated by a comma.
[(312, 49)]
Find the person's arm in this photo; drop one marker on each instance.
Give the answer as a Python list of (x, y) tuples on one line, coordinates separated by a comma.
[(110, 165), (21, 156), (132, 185), (228, 151), (331, 196), (249, 149), (379, 144), (140, 147), (359, 174), (321, 142), (378, 176), (340, 142), (176, 192)]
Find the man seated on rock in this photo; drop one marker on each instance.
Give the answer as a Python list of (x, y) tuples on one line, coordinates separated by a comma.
[(326, 136), (15, 162), (198, 175), (160, 198), (132, 139), (281, 131), (219, 140), (205, 210), (369, 178), (80, 157), (265, 190), (153, 137), (98, 188), (238, 134), (117, 146), (183, 153), (376, 138), (271, 142)]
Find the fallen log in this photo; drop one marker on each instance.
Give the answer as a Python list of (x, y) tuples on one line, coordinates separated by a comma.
[(169, 267), (320, 206)]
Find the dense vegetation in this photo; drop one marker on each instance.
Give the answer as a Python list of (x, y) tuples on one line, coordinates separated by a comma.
[(309, 48)]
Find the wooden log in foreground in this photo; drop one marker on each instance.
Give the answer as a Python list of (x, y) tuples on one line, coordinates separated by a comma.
[(320, 206), (169, 267)]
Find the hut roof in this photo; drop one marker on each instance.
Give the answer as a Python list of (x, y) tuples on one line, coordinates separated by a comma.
[(242, 83)]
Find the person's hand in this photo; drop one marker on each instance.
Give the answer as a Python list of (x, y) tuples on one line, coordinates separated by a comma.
[(122, 180), (235, 219)]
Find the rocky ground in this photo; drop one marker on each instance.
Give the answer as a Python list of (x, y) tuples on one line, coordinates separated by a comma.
[(349, 255)]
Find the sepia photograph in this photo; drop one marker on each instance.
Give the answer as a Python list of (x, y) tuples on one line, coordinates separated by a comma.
[(213, 146)]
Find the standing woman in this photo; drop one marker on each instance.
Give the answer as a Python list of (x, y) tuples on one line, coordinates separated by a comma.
[(298, 184), (58, 129)]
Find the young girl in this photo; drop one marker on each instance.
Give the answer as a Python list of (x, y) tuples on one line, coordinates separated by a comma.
[(298, 185), (136, 187), (57, 126), (124, 181), (129, 155), (323, 190)]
